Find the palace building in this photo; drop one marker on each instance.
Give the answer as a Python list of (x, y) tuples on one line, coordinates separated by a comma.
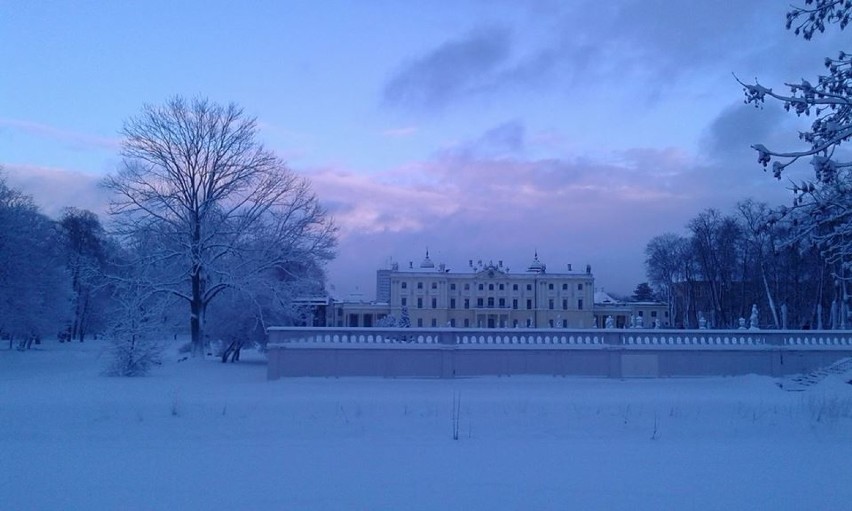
[(487, 295)]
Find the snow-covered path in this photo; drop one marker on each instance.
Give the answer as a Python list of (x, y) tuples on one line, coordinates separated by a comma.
[(202, 435)]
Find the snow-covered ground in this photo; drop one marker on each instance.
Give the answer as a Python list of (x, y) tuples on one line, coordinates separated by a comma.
[(203, 435)]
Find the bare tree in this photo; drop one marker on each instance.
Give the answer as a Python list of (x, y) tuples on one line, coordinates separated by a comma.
[(758, 245), (714, 239), (220, 209)]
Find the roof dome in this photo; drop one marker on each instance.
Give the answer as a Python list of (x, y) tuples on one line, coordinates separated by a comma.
[(427, 263), (536, 266)]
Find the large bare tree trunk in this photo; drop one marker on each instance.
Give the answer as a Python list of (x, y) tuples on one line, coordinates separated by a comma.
[(195, 306)]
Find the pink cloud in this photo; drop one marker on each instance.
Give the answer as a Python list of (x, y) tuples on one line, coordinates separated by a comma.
[(71, 137), (583, 211), (403, 132), (464, 207)]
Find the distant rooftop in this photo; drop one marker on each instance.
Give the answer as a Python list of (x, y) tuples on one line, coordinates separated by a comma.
[(427, 265)]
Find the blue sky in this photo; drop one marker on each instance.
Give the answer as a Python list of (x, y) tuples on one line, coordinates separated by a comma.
[(479, 129)]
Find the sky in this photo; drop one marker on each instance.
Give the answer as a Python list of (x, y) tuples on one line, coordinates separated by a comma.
[(484, 130)]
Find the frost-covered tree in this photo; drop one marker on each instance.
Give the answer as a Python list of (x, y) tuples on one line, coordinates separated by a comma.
[(822, 204), (138, 319), (404, 319), (86, 250), (218, 208), (662, 255), (240, 316), (34, 286)]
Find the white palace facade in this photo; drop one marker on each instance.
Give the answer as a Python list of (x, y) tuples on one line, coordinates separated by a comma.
[(488, 295)]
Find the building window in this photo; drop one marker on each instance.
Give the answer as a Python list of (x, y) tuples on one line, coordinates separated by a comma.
[(550, 286), (453, 287), (467, 303), (404, 285), (491, 287), (419, 285), (420, 303), (641, 313), (479, 302), (434, 303), (529, 287), (579, 287), (564, 323), (502, 287), (404, 301), (550, 323), (420, 322), (453, 322), (580, 304), (467, 287), (550, 304), (653, 314), (491, 302), (466, 322), (529, 304), (565, 287), (452, 303), (434, 285), (565, 304), (434, 322), (514, 287), (514, 303), (502, 302)]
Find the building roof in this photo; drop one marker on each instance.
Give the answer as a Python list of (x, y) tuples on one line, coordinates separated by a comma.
[(605, 299)]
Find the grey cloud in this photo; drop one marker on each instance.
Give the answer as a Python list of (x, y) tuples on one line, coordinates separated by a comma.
[(651, 44), (505, 138), (54, 189), (737, 127), (728, 139), (456, 68)]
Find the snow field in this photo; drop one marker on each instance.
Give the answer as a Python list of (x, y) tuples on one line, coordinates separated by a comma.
[(203, 435)]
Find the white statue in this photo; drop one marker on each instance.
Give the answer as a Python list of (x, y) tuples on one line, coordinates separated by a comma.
[(753, 321)]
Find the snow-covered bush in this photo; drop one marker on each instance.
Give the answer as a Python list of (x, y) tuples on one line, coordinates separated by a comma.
[(133, 356), (139, 320)]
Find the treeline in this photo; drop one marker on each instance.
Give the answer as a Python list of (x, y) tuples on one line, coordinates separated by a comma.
[(726, 263), (49, 271), (70, 279)]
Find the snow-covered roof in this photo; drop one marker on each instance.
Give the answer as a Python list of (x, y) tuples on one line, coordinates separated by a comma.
[(604, 298)]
